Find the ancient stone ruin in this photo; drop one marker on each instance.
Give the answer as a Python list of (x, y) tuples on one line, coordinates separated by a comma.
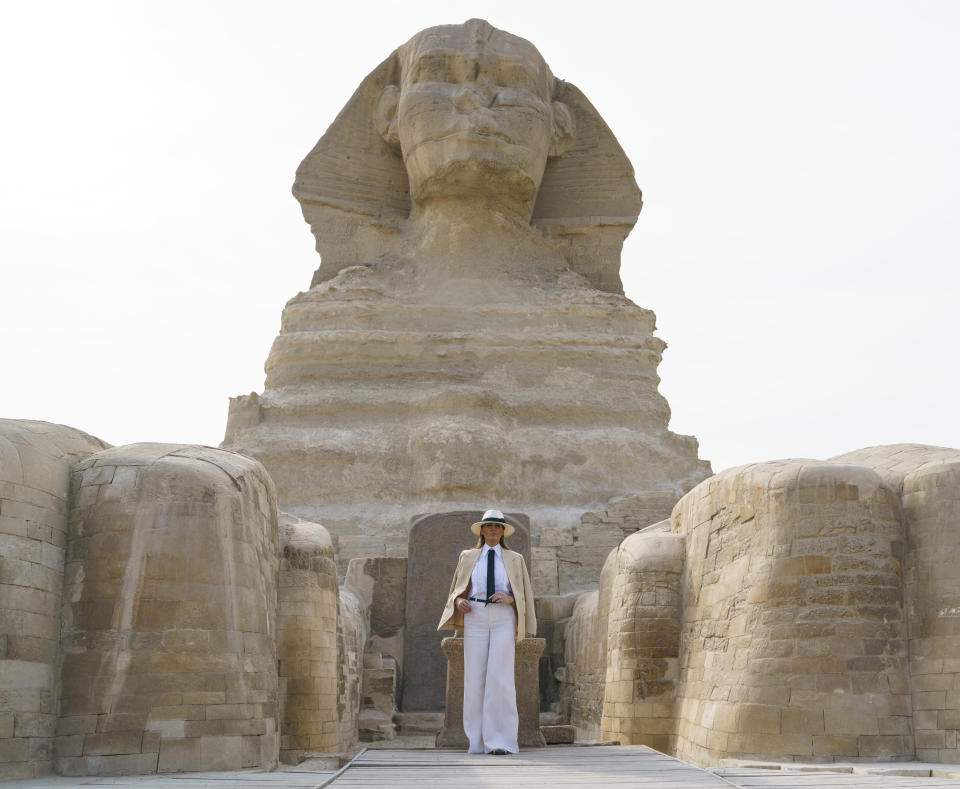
[(465, 343), (797, 609), (466, 338)]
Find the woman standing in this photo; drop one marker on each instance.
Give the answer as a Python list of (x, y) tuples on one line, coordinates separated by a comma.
[(491, 600)]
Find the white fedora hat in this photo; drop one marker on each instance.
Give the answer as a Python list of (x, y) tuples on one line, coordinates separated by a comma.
[(493, 516)]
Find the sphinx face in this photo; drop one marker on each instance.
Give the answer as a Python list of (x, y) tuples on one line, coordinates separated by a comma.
[(474, 116)]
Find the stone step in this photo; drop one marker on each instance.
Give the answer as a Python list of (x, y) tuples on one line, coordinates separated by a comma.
[(379, 687), (323, 762), (410, 723), (551, 719), (558, 735), (375, 726)]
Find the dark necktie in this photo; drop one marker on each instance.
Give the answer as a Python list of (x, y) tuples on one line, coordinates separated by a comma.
[(491, 588)]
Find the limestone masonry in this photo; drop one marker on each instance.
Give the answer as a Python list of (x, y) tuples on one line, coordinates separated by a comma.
[(35, 461), (466, 338), (465, 343), (796, 609)]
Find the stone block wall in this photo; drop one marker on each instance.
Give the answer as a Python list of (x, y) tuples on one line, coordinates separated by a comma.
[(569, 559), (379, 698), (931, 503), (581, 678), (352, 632), (795, 640), (820, 611), (928, 481), (35, 461), (643, 639), (553, 615), (169, 614), (381, 587), (307, 641)]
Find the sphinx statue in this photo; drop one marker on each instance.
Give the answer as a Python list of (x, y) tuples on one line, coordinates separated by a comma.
[(461, 139), (465, 339)]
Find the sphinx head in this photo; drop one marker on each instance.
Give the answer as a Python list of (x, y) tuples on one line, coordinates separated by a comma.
[(473, 116), (461, 114)]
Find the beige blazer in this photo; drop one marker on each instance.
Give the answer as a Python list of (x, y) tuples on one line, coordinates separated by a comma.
[(516, 567)]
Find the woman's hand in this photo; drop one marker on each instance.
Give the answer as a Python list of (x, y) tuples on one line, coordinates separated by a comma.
[(463, 605), (502, 597)]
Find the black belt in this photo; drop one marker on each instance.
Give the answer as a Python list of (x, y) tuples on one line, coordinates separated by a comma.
[(482, 600)]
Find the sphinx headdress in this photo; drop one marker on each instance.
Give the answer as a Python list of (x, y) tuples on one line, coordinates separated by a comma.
[(354, 191)]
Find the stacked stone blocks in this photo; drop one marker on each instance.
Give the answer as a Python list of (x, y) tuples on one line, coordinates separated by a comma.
[(928, 482), (819, 607), (795, 642), (643, 639), (380, 587), (352, 632), (379, 689), (581, 678), (569, 559), (307, 641), (169, 655), (35, 461), (931, 501), (553, 617)]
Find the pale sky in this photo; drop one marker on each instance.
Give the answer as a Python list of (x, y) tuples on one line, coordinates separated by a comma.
[(799, 243)]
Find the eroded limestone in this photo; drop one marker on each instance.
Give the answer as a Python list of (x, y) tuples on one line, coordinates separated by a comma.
[(35, 461), (800, 610), (465, 340), (307, 641), (169, 614)]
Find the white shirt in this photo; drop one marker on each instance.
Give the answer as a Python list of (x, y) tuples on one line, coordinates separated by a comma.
[(478, 578)]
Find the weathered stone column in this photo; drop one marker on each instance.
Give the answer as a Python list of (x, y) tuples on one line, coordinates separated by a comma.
[(794, 640), (169, 614), (527, 680), (35, 460), (927, 480), (643, 639), (452, 734), (307, 640)]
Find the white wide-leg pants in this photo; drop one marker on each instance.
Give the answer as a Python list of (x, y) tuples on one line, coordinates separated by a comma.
[(490, 718)]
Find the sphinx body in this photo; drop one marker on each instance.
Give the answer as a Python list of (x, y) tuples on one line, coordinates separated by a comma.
[(466, 338)]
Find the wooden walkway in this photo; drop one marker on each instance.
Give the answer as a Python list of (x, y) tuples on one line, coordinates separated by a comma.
[(790, 779), (236, 779), (602, 767), (555, 767), (611, 766)]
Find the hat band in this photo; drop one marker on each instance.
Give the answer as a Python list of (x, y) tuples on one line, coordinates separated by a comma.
[(494, 520)]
